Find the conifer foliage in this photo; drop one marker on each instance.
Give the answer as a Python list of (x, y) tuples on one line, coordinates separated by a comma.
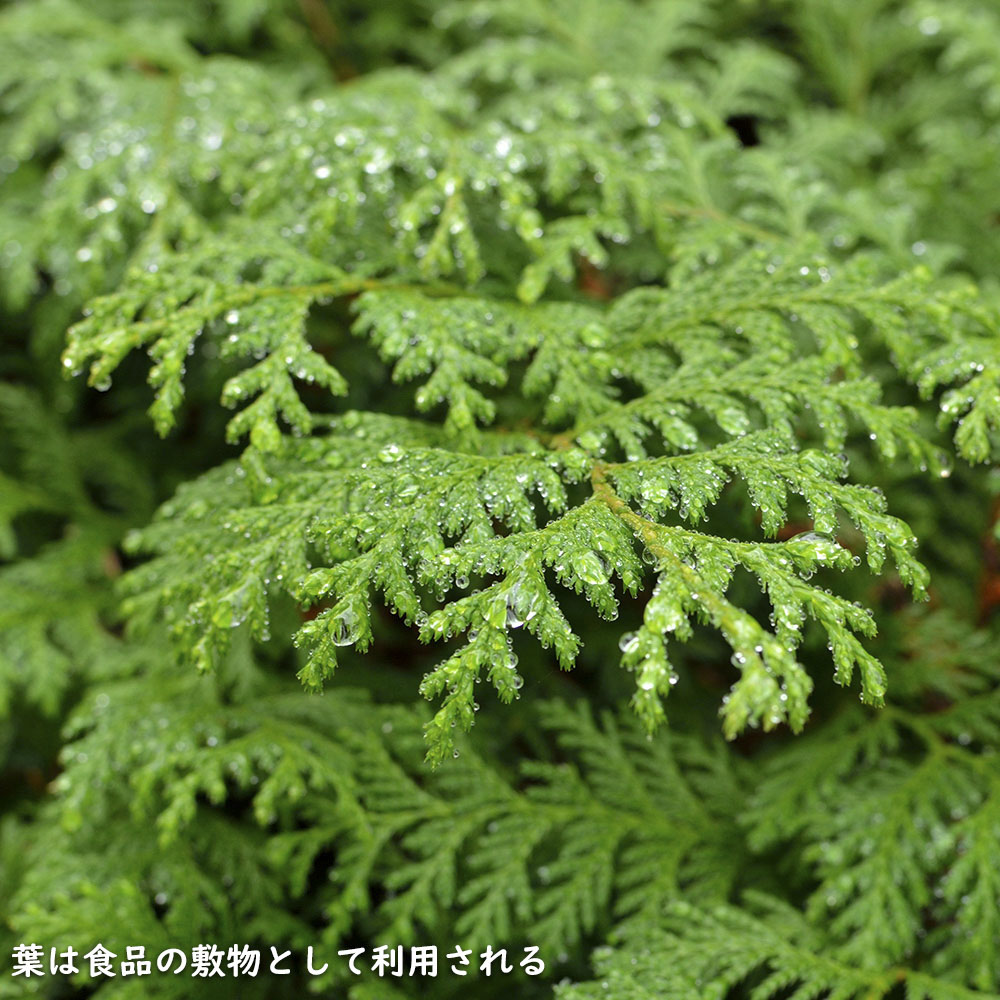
[(508, 474)]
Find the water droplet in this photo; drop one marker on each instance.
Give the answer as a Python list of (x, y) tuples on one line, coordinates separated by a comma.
[(591, 568), (522, 605), (345, 628), (629, 642)]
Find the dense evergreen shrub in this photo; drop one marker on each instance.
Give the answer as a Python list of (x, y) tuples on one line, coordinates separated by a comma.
[(506, 473)]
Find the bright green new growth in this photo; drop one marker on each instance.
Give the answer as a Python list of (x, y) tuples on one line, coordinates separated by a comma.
[(608, 357)]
